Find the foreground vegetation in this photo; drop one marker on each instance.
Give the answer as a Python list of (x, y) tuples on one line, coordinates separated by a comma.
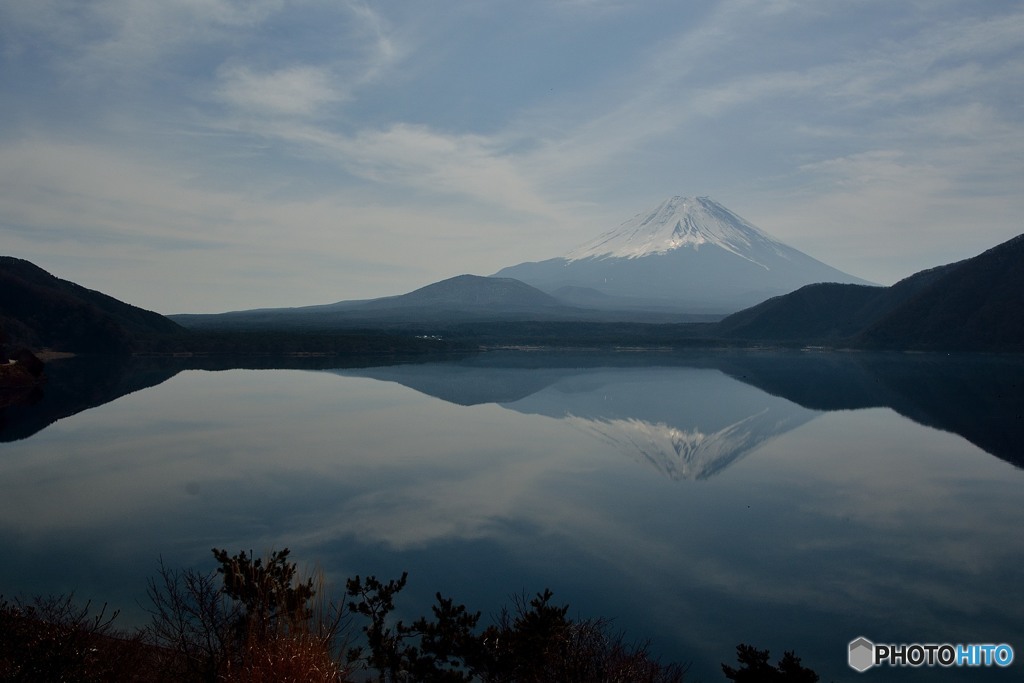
[(256, 620)]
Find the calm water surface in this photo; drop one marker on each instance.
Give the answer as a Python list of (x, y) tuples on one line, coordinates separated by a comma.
[(787, 502)]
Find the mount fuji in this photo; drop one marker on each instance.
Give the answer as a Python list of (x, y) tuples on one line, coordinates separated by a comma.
[(688, 254)]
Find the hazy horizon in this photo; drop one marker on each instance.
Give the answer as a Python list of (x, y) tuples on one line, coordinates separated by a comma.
[(198, 156)]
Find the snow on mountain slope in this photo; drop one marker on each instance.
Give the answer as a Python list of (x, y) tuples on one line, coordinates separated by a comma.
[(681, 222), (687, 254)]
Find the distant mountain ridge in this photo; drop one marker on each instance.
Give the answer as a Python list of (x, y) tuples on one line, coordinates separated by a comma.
[(973, 305), (687, 254), (461, 299), (469, 292)]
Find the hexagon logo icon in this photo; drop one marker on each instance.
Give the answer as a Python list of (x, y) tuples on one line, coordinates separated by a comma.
[(862, 654)]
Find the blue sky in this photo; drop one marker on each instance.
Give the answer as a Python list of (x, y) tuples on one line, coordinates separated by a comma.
[(209, 155)]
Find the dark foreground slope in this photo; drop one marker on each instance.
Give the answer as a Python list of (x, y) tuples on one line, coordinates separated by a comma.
[(38, 311), (973, 305), (977, 304), (42, 311)]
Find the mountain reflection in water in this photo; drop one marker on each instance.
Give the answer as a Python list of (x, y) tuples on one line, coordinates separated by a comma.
[(685, 422), (686, 425), (690, 426), (778, 515)]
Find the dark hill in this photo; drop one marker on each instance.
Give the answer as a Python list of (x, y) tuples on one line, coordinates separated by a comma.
[(39, 310), (470, 292), (977, 304), (813, 313), (825, 312), (972, 305)]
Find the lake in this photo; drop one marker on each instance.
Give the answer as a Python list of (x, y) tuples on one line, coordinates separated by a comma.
[(790, 500)]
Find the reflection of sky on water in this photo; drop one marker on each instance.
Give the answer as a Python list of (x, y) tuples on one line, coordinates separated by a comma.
[(850, 523)]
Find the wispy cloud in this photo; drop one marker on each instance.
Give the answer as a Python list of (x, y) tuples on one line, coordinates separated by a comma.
[(105, 38), (290, 90), (380, 132)]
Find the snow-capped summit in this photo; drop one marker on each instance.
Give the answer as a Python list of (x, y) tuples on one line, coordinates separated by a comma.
[(687, 254), (678, 222)]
